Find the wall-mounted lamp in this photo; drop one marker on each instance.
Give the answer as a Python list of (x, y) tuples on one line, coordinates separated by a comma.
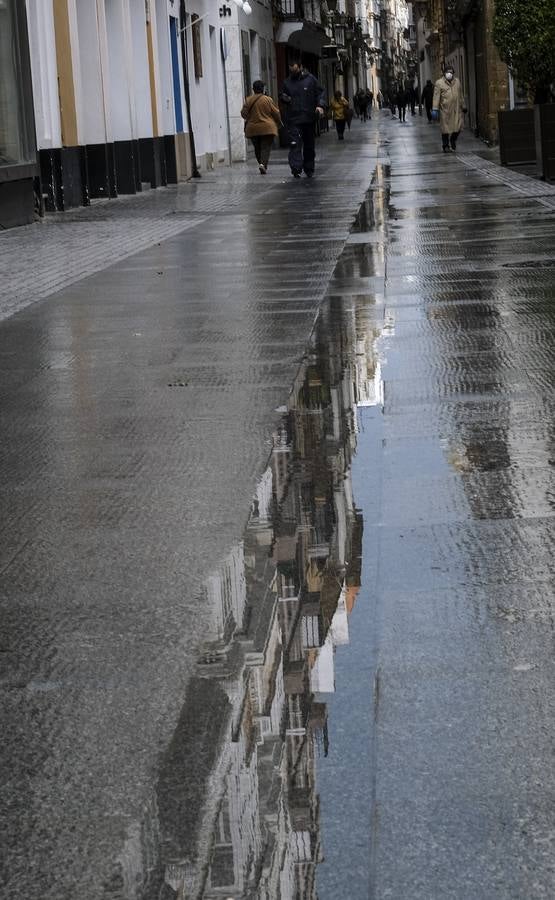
[(244, 5)]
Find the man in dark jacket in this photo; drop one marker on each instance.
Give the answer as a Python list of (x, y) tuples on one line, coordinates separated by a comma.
[(401, 101), (303, 100)]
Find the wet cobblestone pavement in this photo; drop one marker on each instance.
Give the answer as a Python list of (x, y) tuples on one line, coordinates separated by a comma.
[(352, 696)]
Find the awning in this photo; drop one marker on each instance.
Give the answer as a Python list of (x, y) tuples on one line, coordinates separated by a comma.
[(302, 36)]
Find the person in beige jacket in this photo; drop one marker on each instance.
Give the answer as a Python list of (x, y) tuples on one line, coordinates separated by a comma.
[(262, 120), (449, 107), (339, 106)]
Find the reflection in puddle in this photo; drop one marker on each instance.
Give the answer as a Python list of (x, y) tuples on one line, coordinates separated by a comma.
[(237, 807)]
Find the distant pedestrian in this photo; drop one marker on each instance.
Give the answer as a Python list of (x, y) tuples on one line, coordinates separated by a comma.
[(392, 103), (370, 98), (401, 103), (262, 120), (428, 98), (339, 109), (304, 100), (449, 107), (411, 97), (379, 97), (362, 104)]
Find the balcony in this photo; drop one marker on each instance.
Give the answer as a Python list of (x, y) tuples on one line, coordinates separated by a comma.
[(298, 11), (289, 10)]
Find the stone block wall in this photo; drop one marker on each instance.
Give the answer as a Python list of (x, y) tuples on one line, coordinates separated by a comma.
[(492, 75)]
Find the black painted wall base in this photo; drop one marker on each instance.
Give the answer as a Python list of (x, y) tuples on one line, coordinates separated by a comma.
[(127, 166), (71, 176), (64, 178), (101, 168), (51, 179), (152, 152), (17, 203), (171, 158)]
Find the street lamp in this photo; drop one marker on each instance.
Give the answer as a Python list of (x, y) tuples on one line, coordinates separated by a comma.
[(244, 5), (421, 8)]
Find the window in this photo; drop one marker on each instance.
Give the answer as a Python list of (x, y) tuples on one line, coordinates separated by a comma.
[(197, 45), (17, 144), (264, 72), (245, 51)]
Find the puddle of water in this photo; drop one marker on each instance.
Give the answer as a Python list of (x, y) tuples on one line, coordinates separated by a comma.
[(237, 810)]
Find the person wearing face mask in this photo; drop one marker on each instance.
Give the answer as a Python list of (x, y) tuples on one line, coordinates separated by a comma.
[(449, 107)]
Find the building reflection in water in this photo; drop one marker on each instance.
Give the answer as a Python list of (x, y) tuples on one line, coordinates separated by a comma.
[(283, 598)]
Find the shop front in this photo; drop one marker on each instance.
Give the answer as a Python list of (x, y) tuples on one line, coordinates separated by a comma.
[(18, 155)]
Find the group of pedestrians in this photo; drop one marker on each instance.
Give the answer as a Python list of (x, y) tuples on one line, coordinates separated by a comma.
[(303, 101), (362, 102), (401, 98)]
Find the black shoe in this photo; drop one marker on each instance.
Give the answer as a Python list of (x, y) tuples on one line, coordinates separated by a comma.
[(295, 174), (453, 148), (447, 149), (309, 174)]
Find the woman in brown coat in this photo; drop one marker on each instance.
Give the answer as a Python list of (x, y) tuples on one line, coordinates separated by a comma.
[(262, 120)]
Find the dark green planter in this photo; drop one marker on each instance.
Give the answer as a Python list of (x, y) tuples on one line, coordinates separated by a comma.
[(517, 140)]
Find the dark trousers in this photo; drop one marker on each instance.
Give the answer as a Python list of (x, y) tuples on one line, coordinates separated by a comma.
[(340, 128), (262, 144), (402, 113), (429, 112), (302, 152), (447, 139)]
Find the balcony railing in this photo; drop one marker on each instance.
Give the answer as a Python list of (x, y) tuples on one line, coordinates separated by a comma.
[(297, 10)]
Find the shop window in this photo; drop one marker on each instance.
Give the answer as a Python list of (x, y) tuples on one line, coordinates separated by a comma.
[(17, 144)]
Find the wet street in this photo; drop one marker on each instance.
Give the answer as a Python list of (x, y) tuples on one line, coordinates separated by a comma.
[(276, 536)]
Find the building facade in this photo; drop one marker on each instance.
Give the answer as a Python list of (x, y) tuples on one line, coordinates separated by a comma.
[(115, 85), (18, 159), (110, 97)]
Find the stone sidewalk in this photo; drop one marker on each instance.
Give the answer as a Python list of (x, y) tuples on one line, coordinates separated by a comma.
[(40, 259), (138, 406)]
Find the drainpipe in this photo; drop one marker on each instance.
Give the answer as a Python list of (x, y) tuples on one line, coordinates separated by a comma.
[(185, 59)]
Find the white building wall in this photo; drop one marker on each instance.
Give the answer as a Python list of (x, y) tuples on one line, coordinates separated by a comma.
[(167, 106), (259, 28), (120, 92), (42, 43), (155, 86), (93, 64), (141, 83), (76, 68), (217, 125), (208, 111)]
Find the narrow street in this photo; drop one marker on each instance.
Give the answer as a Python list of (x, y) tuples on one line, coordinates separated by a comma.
[(277, 544)]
